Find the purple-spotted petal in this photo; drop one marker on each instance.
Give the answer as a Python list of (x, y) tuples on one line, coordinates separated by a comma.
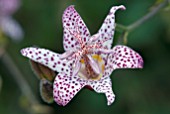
[(107, 29), (104, 85), (49, 59), (66, 87), (73, 25), (123, 57)]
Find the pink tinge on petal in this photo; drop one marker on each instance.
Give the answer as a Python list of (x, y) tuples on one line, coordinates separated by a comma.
[(108, 27), (49, 59), (73, 27), (123, 57), (104, 85), (65, 88)]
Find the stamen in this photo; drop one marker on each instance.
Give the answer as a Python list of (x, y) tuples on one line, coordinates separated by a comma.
[(105, 51), (94, 65), (76, 68), (97, 45), (94, 38), (66, 54)]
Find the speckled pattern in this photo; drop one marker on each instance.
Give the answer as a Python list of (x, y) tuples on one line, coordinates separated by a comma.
[(108, 27), (87, 53), (49, 59), (73, 25), (104, 85), (123, 57), (66, 87)]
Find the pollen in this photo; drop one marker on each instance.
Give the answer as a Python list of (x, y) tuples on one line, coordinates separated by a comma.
[(103, 66), (97, 57), (82, 61)]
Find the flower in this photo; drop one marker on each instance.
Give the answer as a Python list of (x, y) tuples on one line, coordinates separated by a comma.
[(88, 60), (7, 24)]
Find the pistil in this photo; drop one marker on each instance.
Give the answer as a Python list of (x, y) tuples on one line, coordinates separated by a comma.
[(93, 65), (85, 52)]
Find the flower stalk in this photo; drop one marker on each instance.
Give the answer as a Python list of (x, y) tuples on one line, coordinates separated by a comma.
[(127, 29), (31, 101), (0, 83)]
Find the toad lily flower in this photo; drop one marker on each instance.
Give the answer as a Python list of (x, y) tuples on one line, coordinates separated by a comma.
[(88, 60)]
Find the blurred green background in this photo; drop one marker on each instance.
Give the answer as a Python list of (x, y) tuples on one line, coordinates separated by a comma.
[(143, 91)]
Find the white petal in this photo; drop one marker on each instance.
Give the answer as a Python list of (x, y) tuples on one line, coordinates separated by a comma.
[(104, 85), (107, 29), (72, 23), (123, 57), (49, 59), (66, 87)]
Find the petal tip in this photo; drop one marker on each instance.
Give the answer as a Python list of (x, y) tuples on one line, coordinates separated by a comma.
[(122, 7), (111, 101), (140, 63), (23, 52), (70, 7), (115, 8), (57, 98)]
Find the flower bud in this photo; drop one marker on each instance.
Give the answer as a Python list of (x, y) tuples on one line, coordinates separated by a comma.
[(42, 72), (46, 91)]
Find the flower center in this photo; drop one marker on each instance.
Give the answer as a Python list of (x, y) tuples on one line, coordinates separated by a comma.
[(87, 72), (87, 65)]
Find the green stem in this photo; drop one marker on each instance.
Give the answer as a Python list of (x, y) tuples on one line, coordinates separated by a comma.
[(22, 84), (0, 83), (34, 106), (125, 35), (125, 30), (147, 16), (121, 28)]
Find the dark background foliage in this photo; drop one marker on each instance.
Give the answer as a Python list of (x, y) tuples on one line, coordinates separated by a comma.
[(143, 91)]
